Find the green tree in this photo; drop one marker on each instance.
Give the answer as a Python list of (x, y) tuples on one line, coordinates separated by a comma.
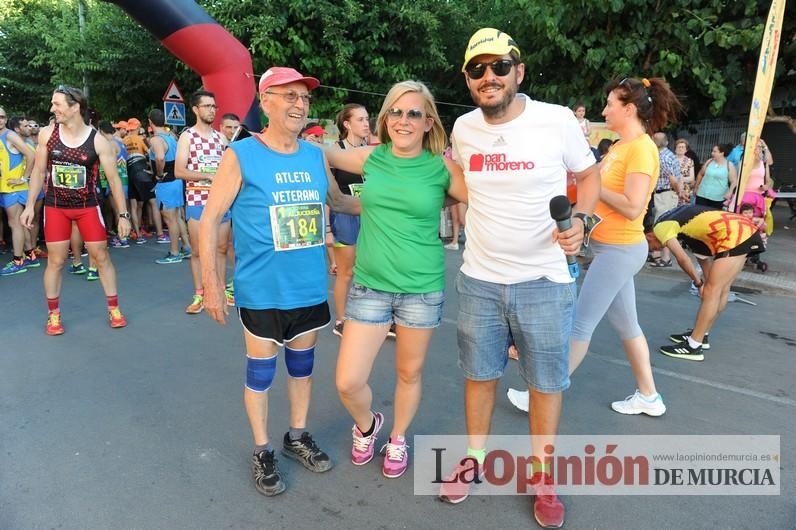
[(707, 50), (41, 47), (365, 46)]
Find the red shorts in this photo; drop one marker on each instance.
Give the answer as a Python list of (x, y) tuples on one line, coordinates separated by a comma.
[(58, 224)]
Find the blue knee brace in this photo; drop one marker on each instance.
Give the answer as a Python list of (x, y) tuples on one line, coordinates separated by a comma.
[(260, 373), (299, 362)]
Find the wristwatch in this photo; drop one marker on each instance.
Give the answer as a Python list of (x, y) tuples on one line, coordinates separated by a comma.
[(588, 221), (124, 215)]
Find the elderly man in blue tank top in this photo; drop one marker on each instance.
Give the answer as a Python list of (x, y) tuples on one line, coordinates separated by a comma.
[(276, 186)]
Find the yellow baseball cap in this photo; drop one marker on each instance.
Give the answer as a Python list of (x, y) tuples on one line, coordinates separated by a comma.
[(489, 41)]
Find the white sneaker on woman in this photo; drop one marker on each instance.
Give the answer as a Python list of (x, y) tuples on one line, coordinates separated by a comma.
[(519, 398), (639, 404)]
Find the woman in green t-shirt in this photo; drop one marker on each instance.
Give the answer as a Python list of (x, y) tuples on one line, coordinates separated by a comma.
[(399, 273)]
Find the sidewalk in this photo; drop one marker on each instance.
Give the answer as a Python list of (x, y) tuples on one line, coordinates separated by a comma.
[(780, 255)]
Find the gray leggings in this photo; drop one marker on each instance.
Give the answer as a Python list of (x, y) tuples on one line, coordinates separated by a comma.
[(608, 290)]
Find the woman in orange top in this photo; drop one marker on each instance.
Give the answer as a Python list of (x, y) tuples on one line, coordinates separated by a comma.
[(635, 109)]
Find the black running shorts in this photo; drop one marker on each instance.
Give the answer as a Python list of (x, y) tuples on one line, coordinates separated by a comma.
[(753, 245), (284, 325), (141, 185)]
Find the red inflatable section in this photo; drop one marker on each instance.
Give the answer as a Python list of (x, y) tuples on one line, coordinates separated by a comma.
[(224, 64)]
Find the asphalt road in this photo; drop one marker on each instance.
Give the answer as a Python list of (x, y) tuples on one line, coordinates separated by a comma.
[(144, 427)]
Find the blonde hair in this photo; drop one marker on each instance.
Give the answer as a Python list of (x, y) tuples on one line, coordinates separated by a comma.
[(434, 140), (681, 141)]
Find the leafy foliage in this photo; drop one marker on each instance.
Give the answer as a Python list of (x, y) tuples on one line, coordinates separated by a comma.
[(707, 49)]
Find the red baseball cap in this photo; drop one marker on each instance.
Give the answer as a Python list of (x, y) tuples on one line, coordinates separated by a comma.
[(120, 125), (280, 75), (315, 130)]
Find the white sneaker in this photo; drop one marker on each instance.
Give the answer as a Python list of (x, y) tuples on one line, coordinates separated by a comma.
[(638, 404), (519, 398), (452, 246)]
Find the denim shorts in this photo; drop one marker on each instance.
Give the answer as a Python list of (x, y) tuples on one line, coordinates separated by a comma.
[(538, 316), (409, 310)]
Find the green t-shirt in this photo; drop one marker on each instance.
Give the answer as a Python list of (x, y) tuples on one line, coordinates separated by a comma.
[(399, 250)]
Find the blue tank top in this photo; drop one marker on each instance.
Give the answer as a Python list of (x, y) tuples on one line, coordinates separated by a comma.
[(280, 231), (12, 165), (715, 182), (171, 154)]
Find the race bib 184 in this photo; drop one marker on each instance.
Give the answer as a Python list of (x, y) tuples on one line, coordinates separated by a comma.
[(296, 226), (70, 177)]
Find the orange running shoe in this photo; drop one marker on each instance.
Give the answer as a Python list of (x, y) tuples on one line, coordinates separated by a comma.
[(197, 305), (54, 326), (116, 318)]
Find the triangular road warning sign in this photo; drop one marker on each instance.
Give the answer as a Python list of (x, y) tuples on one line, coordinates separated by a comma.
[(173, 93)]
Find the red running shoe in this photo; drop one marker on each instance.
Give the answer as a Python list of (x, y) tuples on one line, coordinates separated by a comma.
[(54, 326), (116, 318), (456, 486), (548, 510)]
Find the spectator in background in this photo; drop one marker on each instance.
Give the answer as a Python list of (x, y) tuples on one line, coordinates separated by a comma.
[(580, 114), (667, 190), (715, 179), (736, 154), (758, 185), (686, 170), (229, 124), (354, 129)]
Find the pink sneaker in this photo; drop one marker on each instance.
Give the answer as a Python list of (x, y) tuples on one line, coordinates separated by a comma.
[(456, 486), (363, 447), (396, 458)]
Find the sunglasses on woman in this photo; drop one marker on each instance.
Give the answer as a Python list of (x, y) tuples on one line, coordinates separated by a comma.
[(500, 68), (411, 114)]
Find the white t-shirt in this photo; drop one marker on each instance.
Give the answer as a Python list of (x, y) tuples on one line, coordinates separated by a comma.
[(512, 171)]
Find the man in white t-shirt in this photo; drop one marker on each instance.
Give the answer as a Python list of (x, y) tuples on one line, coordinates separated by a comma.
[(515, 282)]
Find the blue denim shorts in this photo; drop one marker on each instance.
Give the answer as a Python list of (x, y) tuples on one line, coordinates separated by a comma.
[(538, 317), (409, 310)]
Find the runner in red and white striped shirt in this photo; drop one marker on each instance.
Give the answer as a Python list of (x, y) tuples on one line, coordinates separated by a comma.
[(199, 151)]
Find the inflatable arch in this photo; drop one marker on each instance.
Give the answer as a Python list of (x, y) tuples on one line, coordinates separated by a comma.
[(192, 35)]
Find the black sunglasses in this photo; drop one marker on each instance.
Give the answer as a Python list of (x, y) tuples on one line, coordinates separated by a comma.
[(73, 93), (500, 68)]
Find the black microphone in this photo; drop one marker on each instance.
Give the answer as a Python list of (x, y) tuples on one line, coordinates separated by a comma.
[(561, 212)]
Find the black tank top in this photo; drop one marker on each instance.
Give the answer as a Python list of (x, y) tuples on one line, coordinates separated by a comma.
[(72, 173), (345, 179)]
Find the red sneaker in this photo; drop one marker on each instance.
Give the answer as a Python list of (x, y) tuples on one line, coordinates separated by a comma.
[(54, 326), (456, 486), (548, 510), (116, 318)]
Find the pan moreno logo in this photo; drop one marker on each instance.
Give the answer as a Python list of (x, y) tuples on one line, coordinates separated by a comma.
[(498, 162)]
